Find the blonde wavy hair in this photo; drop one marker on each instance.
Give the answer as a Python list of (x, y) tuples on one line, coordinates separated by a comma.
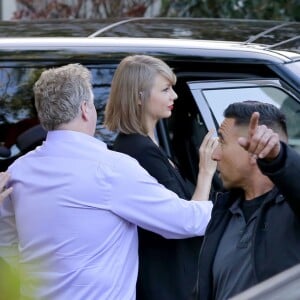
[(131, 87)]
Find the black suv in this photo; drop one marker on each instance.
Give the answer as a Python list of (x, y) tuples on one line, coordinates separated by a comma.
[(216, 62)]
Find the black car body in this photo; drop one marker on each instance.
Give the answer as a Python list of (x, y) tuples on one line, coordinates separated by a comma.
[(216, 62)]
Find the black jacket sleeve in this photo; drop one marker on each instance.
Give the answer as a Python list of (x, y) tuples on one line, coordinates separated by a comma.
[(154, 161), (284, 171), (158, 166)]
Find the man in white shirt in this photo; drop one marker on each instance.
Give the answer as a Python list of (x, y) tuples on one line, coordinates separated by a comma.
[(71, 221)]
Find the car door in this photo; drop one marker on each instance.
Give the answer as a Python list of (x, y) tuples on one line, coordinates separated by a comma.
[(200, 107)]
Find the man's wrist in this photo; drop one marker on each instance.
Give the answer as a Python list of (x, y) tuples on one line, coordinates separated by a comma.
[(272, 165)]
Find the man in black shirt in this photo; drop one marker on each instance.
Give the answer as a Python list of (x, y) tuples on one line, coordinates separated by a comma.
[(255, 227)]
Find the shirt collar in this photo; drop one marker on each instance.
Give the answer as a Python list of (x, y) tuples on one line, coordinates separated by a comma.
[(72, 136), (270, 196)]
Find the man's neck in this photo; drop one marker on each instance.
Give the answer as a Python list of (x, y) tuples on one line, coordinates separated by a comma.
[(259, 187)]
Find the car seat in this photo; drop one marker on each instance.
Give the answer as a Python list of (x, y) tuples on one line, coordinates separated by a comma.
[(25, 142)]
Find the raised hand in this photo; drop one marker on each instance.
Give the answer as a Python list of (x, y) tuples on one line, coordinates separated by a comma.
[(262, 142), (207, 167), (206, 163)]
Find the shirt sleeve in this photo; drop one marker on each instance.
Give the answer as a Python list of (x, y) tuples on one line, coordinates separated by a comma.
[(8, 233), (141, 200)]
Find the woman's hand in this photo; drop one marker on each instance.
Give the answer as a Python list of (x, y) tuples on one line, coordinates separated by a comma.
[(4, 192), (206, 164), (207, 167)]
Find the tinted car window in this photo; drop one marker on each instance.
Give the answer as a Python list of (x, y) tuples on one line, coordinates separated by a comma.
[(102, 77), (18, 113)]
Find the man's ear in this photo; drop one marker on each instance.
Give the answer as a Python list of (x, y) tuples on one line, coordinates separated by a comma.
[(84, 109)]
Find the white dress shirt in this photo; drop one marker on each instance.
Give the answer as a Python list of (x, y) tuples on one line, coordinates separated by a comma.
[(71, 221)]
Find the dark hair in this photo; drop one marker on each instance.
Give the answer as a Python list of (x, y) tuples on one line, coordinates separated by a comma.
[(270, 115)]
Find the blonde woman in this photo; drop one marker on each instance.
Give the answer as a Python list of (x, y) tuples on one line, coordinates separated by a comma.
[(142, 94)]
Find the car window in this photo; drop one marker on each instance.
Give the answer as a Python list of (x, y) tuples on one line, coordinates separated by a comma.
[(102, 77), (294, 67), (185, 132), (17, 104), (217, 96), (218, 100), (18, 114)]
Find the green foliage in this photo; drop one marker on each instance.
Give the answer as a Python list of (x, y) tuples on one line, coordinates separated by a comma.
[(9, 283), (288, 10)]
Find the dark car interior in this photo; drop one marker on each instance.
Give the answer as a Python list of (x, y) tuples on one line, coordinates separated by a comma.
[(25, 142)]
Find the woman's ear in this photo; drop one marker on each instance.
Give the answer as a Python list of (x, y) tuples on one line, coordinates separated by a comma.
[(141, 97)]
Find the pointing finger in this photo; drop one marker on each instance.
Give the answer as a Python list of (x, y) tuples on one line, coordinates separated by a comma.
[(253, 124)]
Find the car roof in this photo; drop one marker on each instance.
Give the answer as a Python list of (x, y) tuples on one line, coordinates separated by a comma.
[(271, 40), (190, 49)]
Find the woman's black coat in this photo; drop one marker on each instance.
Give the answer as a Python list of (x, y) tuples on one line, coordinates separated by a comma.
[(167, 267)]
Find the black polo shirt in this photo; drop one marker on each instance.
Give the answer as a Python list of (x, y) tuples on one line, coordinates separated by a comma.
[(233, 268)]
